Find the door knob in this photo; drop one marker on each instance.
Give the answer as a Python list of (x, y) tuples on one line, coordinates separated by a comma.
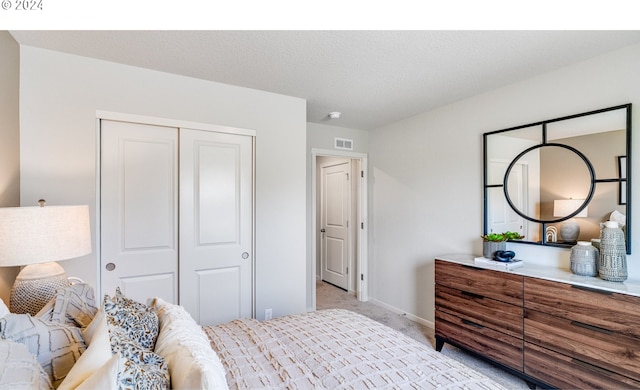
[(110, 266), (245, 255), (322, 230)]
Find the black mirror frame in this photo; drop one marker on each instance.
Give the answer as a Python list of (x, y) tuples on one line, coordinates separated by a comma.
[(594, 180)]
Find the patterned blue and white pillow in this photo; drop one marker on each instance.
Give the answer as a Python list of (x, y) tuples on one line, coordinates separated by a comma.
[(136, 319), (142, 369), (133, 330)]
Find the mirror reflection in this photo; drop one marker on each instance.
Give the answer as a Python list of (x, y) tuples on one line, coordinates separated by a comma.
[(548, 176), (563, 177)]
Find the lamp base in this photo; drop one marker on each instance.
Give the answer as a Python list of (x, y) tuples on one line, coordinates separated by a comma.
[(34, 287)]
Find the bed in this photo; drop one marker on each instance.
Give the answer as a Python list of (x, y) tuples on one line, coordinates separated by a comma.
[(333, 349), (124, 344)]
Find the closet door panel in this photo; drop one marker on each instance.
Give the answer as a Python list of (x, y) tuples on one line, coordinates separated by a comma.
[(218, 194), (226, 301), (216, 225), (139, 230)]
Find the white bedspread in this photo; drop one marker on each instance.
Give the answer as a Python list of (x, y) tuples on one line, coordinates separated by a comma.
[(333, 349)]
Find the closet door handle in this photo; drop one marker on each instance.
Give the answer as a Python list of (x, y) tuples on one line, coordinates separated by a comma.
[(245, 255), (110, 266)]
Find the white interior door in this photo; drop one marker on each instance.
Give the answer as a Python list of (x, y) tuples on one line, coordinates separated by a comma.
[(335, 212), (139, 213), (502, 217), (216, 225)]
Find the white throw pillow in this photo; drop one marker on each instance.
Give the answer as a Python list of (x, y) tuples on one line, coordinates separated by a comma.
[(98, 353), (193, 364), (19, 368), (106, 377), (4, 310)]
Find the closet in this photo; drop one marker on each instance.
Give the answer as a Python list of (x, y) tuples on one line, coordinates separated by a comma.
[(176, 216)]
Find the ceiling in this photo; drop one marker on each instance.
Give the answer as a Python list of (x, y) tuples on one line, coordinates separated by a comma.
[(373, 78)]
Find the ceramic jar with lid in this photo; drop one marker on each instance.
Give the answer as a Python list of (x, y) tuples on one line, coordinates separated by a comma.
[(613, 253), (584, 259)]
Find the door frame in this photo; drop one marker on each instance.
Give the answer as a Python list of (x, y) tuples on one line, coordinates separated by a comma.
[(361, 242), (159, 121)]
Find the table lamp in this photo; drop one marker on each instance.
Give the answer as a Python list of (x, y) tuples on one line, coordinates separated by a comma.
[(37, 237), (569, 229)]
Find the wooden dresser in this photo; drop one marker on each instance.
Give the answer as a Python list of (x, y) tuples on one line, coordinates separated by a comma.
[(551, 327)]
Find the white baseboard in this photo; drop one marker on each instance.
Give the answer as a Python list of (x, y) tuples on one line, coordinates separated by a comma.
[(410, 316)]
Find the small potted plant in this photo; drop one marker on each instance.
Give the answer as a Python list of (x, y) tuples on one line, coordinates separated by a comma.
[(493, 242)]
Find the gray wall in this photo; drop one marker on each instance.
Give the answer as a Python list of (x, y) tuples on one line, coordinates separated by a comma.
[(425, 171), (426, 189), (9, 140), (60, 95)]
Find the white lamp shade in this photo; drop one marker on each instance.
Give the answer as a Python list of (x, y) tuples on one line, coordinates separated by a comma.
[(32, 235), (564, 207)]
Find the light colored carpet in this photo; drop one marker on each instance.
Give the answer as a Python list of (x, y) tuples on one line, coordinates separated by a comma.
[(330, 297)]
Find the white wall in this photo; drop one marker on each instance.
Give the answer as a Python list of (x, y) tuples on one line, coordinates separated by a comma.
[(9, 140), (427, 174), (59, 96), (322, 137)]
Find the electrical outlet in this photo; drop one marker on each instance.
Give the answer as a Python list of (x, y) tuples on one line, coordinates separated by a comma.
[(268, 314)]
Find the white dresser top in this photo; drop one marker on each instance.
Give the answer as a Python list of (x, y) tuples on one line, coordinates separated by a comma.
[(629, 287)]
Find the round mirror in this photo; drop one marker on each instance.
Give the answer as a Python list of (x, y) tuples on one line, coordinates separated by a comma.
[(549, 183)]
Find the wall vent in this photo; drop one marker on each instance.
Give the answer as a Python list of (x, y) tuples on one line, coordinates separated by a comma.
[(345, 144)]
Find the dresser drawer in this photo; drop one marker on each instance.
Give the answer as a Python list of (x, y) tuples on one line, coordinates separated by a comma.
[(495, 345), (501, 286), (565, 372), (500, 316), (618, 313), (613, 352)]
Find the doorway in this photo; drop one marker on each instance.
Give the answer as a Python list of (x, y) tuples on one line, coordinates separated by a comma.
[(339, 242), (337, 218)]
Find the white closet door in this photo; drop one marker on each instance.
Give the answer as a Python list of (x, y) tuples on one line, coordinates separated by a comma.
[(216, 225), (139, 212)]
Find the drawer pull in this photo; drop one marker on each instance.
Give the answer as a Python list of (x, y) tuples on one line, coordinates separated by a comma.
[(467, 322), (593, 328), (474, 268), (595, 290), (472, 295), (592, 367)]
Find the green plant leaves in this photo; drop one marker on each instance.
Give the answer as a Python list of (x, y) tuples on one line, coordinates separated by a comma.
[(499, 237)]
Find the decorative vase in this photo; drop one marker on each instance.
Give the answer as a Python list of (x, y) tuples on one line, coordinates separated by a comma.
[(569, 231), (613, 253), (489, 248), (584, 259)]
